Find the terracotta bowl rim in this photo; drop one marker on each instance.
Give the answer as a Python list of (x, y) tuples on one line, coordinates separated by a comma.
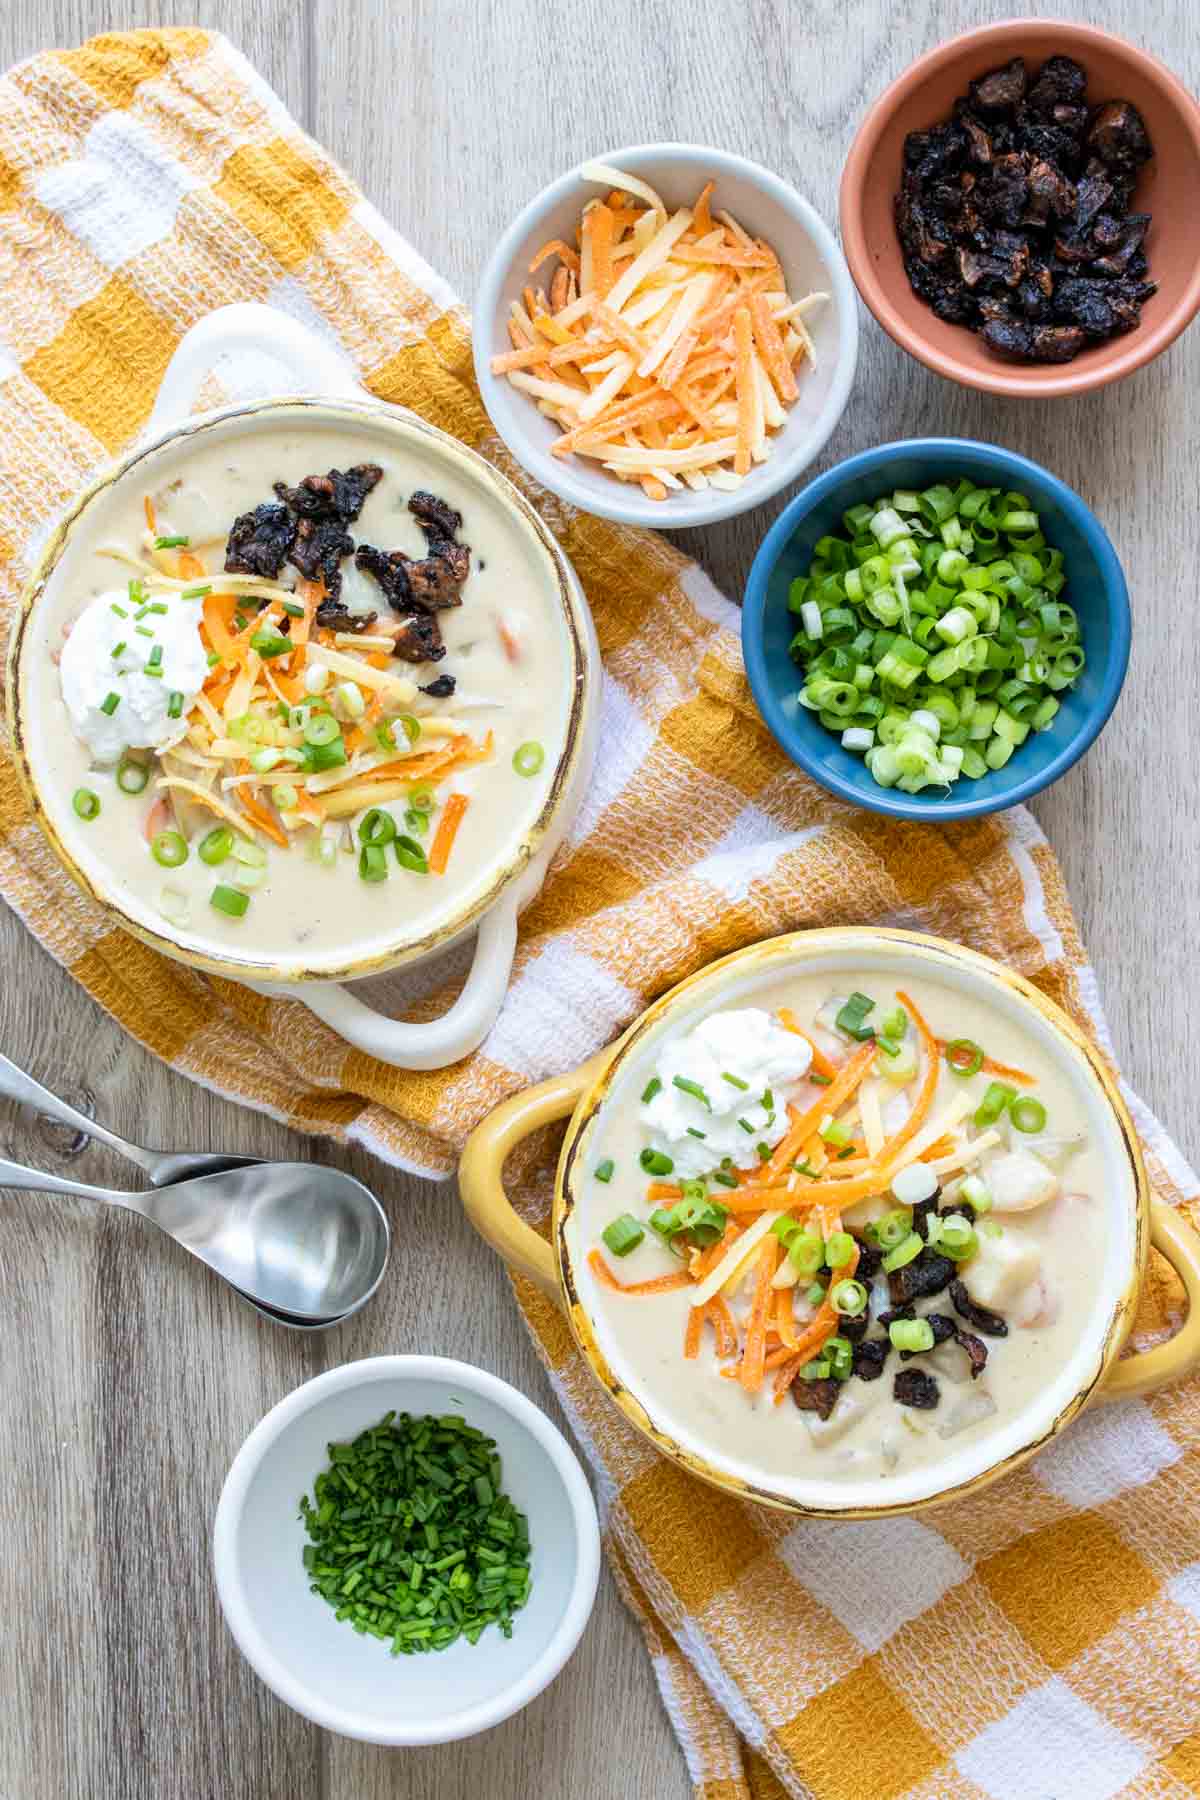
[(1142, 345)]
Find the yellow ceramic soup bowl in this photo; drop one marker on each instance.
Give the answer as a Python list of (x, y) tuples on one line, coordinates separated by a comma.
[(1133, 1220)]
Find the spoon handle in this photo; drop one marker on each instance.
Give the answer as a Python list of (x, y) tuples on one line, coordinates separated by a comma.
[(15, 1084), (17, 1175)]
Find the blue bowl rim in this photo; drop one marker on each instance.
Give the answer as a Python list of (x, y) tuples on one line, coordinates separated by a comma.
[(1012, 468)]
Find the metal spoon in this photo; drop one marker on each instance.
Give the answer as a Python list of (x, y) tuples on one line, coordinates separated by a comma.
[(160, 1166), (295, 1238)]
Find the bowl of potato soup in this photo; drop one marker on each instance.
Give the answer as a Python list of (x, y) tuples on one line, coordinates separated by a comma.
[(303, 691), (849, 1223)]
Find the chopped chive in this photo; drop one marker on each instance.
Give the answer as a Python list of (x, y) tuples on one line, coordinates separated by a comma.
[(820, 1080), (746, 1126), (110, 703), (212, 659), (151, 606), (197, 593), (171, 543), (735, 1081), (693, 1132), (119, 610), (293, 609), (693, 1088), (154, 660), (723, 1178), (119, 649), (175, 705), (843, 1154), (652, 1087), (136, 591), (143, 631), (764, 1152)]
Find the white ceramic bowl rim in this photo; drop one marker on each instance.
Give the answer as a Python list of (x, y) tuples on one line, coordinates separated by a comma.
[(785, 463), (254, 1647)]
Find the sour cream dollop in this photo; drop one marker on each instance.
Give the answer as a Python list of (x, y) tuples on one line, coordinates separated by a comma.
[(765, 1061), (106, 654)]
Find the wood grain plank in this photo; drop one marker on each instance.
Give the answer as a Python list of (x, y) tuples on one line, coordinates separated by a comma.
[(131, 1379)]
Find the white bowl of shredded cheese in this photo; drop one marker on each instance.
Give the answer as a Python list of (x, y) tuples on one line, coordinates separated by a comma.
[(532, 409)]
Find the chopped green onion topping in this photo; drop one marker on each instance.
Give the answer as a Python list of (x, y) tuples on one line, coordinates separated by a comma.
[(893, 1228), (376, 827), (230, 901), (895, 1023), (269, 642), (724, 1178), (293, 609), (120, 611), (372, 863), (320, 729), (814, 1294), (851, 1017), (999, 1095), (216, 845), (110, 703), (410, 855), (86, 803), (735, 1081), (965, 1056), (654, 1162), (132, 776), (119, 649), (169, 848), (820, 1080), (623, 1234), (604, 1170), (839, 1248), (143, 631), (839, 1353), (913, 1335), (171, 543), (175, 704), (652, 1087), (154, 660), (1027, 1114), (528, 758), (693, 1088), (848, 1298), (199, 593), (904, 1253), (807, 1251), (694, 1131)]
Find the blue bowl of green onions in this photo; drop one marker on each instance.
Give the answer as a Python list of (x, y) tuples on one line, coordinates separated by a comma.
[(936, 628)]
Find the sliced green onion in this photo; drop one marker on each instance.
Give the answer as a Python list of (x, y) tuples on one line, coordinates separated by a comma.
[(654, 1162), (169, 848), (376, 827), (269, 642), (998, 1096), (895, 1023), (848, 1298), (216, 845), (839, 1248), (893, 1228), (291, 607), (956, 1237), (604, 1171), (833, 1132), (807, 1251), (693, 1088), (1027, 1114), (132, 776), (623, 1234), (205, 589), (528, 758), (118, 649), (410, 855), (965, 1056), (110, 703), (372, 863), (814, 1294), (652, 1087), (905, 1251), (851, 1017), (250, 855), (321, 728), (229, 900), (913, 1335), (175, 704), (422, 799), (86, 803), (817, 1370), (285, 796), (735, 1081), (977, 1194), (171, 543)]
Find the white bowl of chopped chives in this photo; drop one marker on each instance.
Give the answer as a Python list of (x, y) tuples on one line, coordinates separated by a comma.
[(406, 1550)]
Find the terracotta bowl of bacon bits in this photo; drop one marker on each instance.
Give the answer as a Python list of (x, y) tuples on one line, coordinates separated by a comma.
[(666, 335), (1012, 208)]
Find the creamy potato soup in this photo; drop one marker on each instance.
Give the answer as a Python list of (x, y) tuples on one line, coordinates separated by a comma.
[(301, 683), (840, 1227)]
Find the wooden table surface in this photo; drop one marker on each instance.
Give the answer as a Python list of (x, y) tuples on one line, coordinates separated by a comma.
[(129, 1380)]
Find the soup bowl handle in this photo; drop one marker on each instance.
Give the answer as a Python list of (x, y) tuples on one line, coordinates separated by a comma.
[(306, 364), (1133, 1376), (481, 1171)]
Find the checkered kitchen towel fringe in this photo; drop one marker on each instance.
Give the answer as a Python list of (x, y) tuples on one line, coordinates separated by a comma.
[(1041, 1640)]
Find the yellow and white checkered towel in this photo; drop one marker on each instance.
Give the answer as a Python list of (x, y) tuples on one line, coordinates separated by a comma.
[(1039, 1642)]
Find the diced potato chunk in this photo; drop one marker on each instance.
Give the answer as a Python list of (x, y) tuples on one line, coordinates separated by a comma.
[(1020, 1181), (1000, 1269)]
